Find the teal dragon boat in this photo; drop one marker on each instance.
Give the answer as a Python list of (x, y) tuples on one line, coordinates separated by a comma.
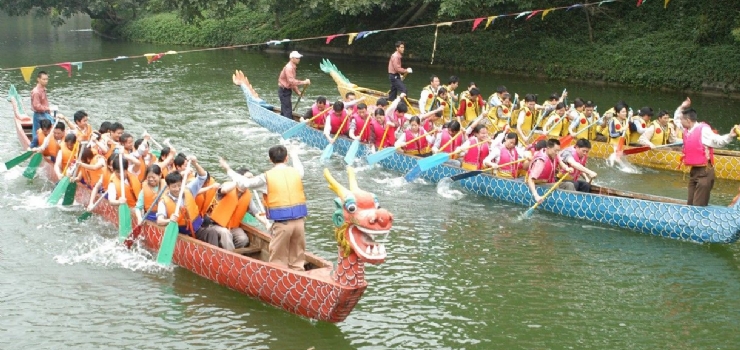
[(648, 214)]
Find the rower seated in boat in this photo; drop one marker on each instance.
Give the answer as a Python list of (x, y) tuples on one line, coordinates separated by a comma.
[(543, 168), (49, 140), (131, 185), (421, 147), (149, 189), (448, 112), (594, 121), (66, 155), (357, 124), (320, 106), (618, 126), (379, 129), (505, 153), (526, 119), (555, 123), (448, 141), (499, 116), (188, 219), (470, 107), (336, 121), (638, 123), (472, 158), (576, 157), (659, 132)]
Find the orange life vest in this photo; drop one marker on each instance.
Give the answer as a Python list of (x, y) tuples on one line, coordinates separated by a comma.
[(132, 188), (188, 216), (150, 194), (52, 148), (93, 176), (285, 199), (205, 200), (231, 208)]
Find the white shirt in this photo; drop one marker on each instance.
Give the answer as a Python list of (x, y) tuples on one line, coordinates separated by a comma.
[(193, 186), (425, 97)]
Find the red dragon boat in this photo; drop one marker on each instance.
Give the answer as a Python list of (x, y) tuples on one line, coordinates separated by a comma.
[(321, 292)]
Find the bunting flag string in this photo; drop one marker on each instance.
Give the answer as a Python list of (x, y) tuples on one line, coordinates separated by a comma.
[(27, 71)]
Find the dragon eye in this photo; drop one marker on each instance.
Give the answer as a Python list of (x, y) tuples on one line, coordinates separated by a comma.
[(351, 208)]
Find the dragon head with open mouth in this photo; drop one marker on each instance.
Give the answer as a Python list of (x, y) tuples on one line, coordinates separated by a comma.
[(359, 220)]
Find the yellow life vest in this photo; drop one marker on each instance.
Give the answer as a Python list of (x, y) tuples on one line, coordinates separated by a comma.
[(529, 119), (660, 135), (618, 127), (635, 136), (556, 128), (582, 123), (431, 95), (472, 110)]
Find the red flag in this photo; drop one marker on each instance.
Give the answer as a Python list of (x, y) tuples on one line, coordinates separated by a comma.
[(534, 13), (67, 66), (330, 38), (477, 22), (639, 2)]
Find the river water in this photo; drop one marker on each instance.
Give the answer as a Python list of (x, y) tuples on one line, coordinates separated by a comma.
[(463, 273)]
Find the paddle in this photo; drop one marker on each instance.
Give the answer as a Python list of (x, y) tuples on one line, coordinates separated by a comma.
[(411, 108), (169, 238), (61, 186), (130, 237), (439, 158), (124, 212), (17, 160), (636, 150), (300, 96), (527, 214), (295, 129), (477, 172), (37, 158), (349, 158), (387, 152), (69, 194), (329, 149), (88, 213), (567, 139)]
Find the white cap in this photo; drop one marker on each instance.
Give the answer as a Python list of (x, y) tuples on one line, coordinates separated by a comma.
[(295, 54)]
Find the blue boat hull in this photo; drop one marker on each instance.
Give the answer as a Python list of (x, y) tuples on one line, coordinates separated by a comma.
[(713, 224)]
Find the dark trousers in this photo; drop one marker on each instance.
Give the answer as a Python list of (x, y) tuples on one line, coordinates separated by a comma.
[(701, 181), (582, 186), (397, 86), (286, 102)]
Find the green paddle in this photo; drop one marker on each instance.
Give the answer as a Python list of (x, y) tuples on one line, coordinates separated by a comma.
[(88, 213), (169, 239), (124, 212), (18, 160), (61, 187), (129, 239)]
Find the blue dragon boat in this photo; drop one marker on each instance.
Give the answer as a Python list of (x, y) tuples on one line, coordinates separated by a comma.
[(648, 214)]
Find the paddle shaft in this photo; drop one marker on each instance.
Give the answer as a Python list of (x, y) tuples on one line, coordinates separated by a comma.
[(367, 122), (385, 133), (411, 108), (553, 188), (182, 190), (469, 147), (120, 165), (300, 96), (102, 196), (341, 126), (505, 164), (451, 140), (319, 114), (416, 139), (134, 232)]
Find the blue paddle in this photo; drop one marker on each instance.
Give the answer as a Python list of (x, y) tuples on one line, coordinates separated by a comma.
[(297, 128), (349, 158), (329, 149), (387, 152)]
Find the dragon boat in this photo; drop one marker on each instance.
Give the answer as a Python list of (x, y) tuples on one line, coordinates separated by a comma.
[(322, 292), (655, 215), (727, 162)]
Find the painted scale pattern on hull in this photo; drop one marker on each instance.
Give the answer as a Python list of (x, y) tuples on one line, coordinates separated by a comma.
[(711, 224)]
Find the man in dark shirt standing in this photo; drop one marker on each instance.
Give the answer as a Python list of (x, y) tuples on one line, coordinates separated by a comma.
[(287, 83), (395, 70), (39, 104)]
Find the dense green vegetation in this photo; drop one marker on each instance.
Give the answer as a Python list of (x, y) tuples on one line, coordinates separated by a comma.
[(691, 45)]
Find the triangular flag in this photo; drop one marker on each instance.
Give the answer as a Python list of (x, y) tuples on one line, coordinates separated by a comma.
[(151, 57), (666, 4), (171, 52), (573, 7), (639, 2), (77, 64), (476, 23), (351, 38), (361, 35), (490, 20), (27, 71), (331, 37), (534, 13), (522, 14), (67, 66), (546, 12)]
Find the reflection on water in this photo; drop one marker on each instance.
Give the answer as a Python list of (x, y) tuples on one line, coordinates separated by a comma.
[(462, 271)]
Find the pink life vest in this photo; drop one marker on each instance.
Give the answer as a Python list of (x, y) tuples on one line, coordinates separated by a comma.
[(507, 156), (694, 152), (390, 139), (582, 161), (548, 173), (336, 122), (320, 121), (445, 138), (420, 146), (378, 130), (476, 155), (359, 125)]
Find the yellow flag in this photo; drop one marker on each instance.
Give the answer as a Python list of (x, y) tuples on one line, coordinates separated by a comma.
[(490, 19), (27, 71), (149, 57), (545, 13), (666, 4), (352, 37)]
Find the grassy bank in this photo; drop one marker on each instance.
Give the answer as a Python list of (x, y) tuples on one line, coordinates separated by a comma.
[(684, 48)]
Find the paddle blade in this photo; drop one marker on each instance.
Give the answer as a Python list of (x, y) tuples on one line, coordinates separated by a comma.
[(528, 214), (328, 151), (86, 215), (352, 152), (413, 174), (293, 131), (250, 220), (565, 141), (58, 191), (133, 236), (69, 194), (124, 222), (18, 160), (167, 249), (636, 150), (30, 171), (380, 155), (156, 153), (432, 161), (469, 174)]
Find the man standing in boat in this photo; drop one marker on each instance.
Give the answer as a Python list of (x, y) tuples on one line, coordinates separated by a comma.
[(699, 142), (285, 204), (39, 104), (395, 70), (287, 83)]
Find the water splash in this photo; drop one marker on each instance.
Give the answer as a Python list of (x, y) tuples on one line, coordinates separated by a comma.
[(107, 252), (622, 164), (444, 189), (392, 182)]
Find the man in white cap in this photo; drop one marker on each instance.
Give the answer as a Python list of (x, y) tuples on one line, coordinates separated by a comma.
[(287, 83)]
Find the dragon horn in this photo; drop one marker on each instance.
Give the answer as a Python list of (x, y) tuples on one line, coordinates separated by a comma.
[(335, 186), (352, 179)]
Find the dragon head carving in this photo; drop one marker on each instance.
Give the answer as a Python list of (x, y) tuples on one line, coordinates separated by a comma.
[(359, 220)]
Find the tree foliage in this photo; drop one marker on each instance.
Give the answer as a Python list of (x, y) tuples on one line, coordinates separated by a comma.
[(111, 11)]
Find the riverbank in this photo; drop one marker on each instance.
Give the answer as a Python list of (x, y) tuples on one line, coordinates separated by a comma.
[(632, 51)]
